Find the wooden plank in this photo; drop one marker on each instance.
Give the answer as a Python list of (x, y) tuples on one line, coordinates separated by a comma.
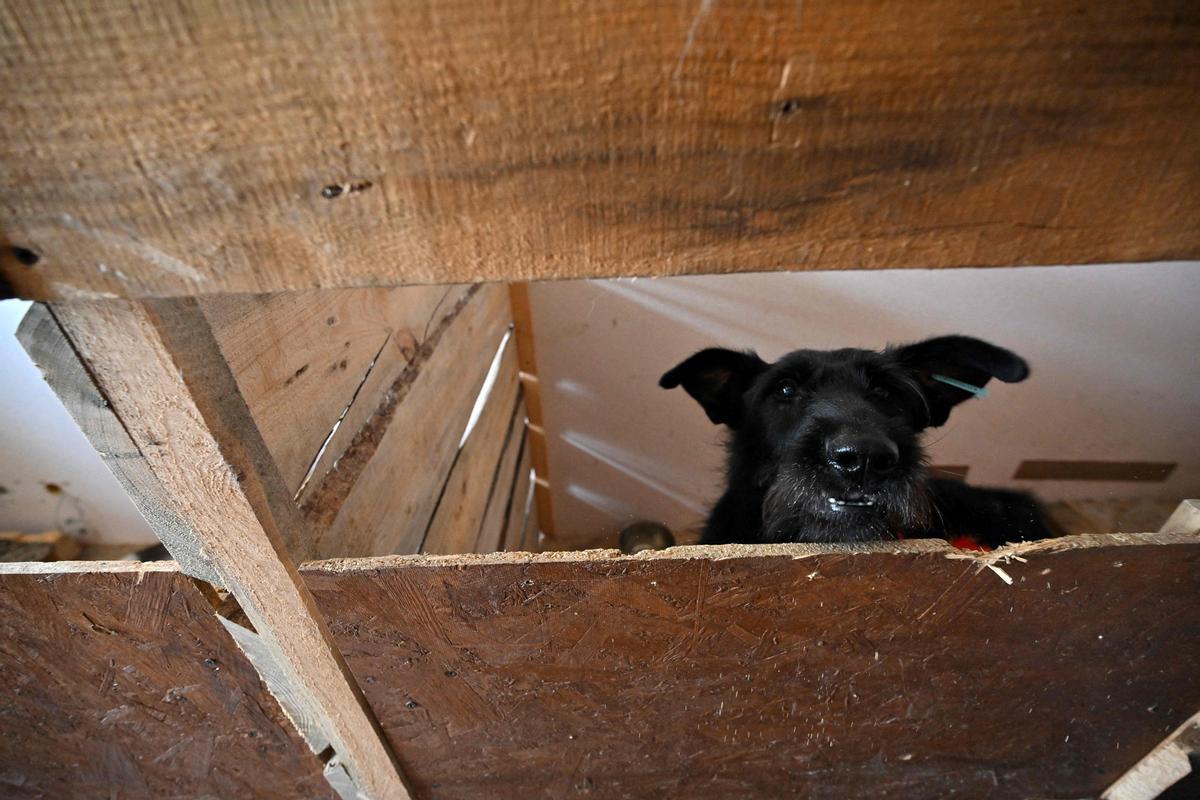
[(331, 145), (906, 670), (307, 362), (457, 523), (381, 495), (121, 683), (531, 384), (506, 498), (167, 383), (47, 344), (520, 503)]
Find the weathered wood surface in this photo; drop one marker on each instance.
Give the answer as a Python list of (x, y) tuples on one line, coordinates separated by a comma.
[(306, 362), (800, 672), (521, 514), (48, 347), (161, 370), (510, 488), (380, 496), (482, 469), (119, 682), (349, 144), (532, 386)]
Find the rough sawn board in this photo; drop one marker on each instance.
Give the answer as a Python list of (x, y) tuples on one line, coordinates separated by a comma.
[(719, 674)]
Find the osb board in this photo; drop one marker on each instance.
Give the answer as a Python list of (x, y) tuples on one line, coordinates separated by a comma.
[(787, 671), (323, 144), (120, 682)]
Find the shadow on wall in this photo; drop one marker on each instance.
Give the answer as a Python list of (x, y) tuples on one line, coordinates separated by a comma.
[(1106, 344)]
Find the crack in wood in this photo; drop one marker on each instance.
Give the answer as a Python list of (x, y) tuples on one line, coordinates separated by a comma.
[(323, 504)]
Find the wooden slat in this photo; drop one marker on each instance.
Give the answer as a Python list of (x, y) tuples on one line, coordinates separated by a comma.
[(907, 670), (480, 480), (331, 145), (457, 523), (119, 682), (163, 374), (531, 383), (506, 494), (303, 359), (48, 347), (381, 495), (520, 504)]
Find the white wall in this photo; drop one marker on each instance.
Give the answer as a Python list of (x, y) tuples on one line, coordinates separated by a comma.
[(1114, 352), (41, 446)]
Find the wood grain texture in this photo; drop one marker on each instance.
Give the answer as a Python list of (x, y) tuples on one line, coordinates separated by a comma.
[(214, 470), (380, 496), (119, 682), (898, 671), (507, 498), (519, 509), (479, 468), (330, 144), (306, 362), (48, 347), (531, 383)]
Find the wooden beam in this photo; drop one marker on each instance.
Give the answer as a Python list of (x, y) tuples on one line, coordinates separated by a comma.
[(47, 344), (893, 670), (120, 683), (532, 387), (163, 375), (378, 142)]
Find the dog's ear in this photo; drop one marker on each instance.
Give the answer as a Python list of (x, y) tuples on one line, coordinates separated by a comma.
[(957, 358), (717, 379)]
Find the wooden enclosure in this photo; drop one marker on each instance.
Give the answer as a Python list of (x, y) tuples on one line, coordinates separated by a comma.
[(280, 249)]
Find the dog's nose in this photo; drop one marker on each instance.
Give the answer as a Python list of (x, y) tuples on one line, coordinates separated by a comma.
[(862, 455)]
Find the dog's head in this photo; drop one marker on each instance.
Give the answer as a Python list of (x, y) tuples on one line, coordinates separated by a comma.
[(831, 438)]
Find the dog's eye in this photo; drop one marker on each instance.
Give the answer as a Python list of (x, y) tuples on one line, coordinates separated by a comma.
[(880, 392), (787, 389)]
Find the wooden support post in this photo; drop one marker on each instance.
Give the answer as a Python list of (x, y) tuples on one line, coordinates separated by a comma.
[(523, 331), (158, 368)]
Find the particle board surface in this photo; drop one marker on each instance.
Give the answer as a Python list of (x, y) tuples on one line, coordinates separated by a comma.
[(892, 672), (329, 144), (120, 682)]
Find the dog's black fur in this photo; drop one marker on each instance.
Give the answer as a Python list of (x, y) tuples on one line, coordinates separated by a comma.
[(825, 445)]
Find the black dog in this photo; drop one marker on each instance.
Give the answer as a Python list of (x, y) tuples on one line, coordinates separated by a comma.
[(825, 445)]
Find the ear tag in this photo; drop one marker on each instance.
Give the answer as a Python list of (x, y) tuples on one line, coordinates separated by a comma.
[(978, 391)]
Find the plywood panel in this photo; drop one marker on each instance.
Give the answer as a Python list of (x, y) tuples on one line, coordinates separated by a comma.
[(347, 144), (120, 682), (381, 494), (776, 671), (307, 362)]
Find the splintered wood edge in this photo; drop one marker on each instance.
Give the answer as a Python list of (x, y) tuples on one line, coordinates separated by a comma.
[(85, 567), (732, 551)]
